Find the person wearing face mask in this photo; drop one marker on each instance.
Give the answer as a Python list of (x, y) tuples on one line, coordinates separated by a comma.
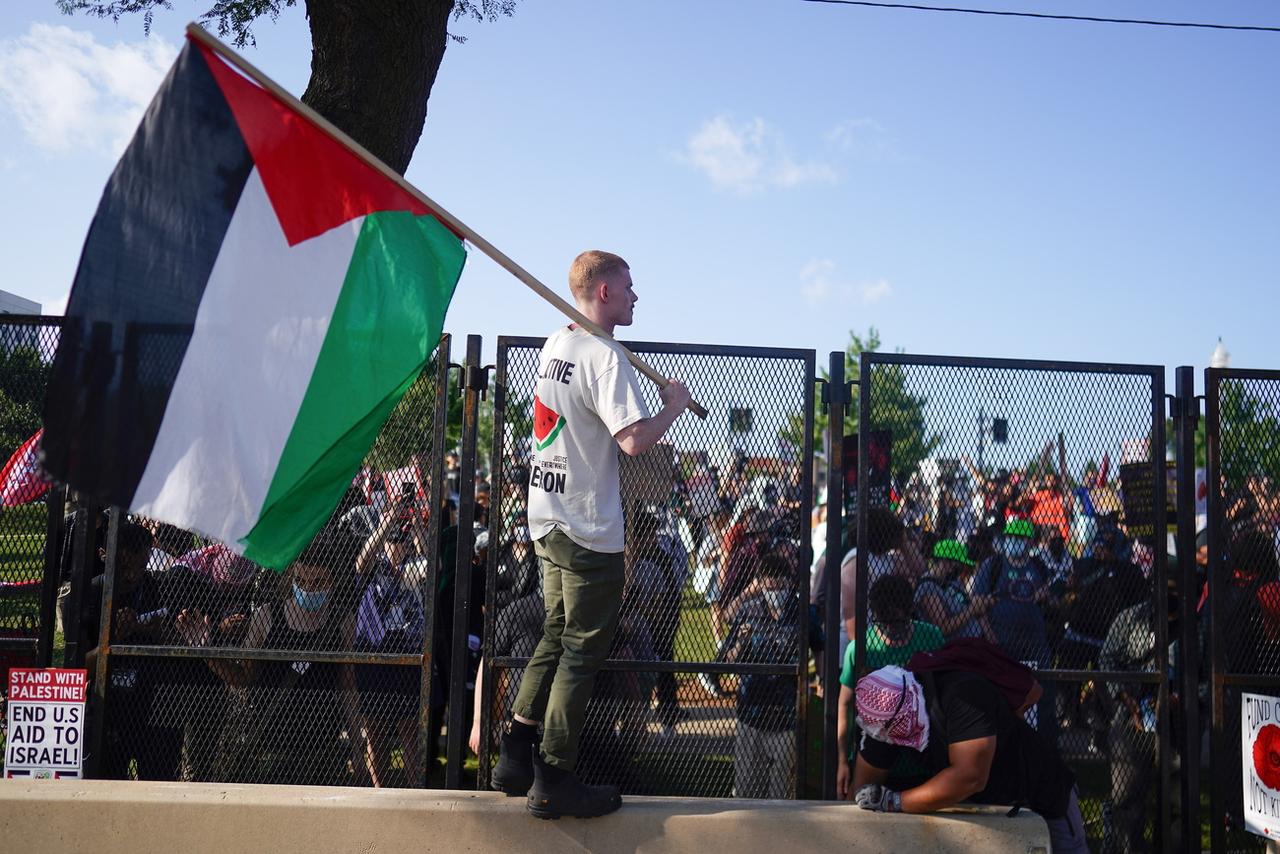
[(973, 745), (272, 740), (1052, 552), (765, 630), (942, 597), (1020, 585), (892, 638)]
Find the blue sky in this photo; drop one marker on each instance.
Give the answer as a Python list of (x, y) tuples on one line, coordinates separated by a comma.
[(779, 172)]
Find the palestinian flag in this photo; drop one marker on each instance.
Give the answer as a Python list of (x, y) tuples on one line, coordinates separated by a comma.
[(252, 301), (21, 480)]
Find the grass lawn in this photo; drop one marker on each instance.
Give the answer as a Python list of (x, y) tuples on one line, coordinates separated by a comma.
[(22, 535), (694, 638)]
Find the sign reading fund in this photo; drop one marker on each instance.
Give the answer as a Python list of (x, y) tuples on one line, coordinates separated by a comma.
[(1260, 763), (46, 723)]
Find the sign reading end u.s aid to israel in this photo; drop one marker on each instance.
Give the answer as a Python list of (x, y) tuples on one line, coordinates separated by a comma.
[(1260, 763), (45, 739)]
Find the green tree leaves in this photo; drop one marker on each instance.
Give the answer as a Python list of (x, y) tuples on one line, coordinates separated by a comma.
[(894, 407), (23, 377)]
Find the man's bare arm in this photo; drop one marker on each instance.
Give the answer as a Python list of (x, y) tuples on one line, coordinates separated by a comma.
[(963, 778), (639, 437), (844, 791)]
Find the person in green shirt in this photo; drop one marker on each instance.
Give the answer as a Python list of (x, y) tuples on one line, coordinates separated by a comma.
[(892, 638)]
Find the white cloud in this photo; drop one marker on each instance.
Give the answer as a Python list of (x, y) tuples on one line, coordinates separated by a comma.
[(58, 306), (851, 134), (815, 280), (873, 292), (69, 92), (820, 284), (750, 156)]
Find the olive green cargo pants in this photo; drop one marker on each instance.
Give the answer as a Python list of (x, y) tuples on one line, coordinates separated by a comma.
[(582, 591)]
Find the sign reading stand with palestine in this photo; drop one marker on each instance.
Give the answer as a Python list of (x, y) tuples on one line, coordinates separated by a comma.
[(1260, 763), (46, 724)]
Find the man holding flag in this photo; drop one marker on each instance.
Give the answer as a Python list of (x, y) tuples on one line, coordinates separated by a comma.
[(587, 405), (256, 294)]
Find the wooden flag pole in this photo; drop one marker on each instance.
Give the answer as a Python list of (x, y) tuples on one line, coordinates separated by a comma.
[(203, 37)]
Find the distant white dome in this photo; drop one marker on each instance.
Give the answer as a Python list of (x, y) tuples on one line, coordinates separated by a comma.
[(1220, 358)]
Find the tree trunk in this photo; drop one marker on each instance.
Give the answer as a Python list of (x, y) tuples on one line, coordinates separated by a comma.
[(373, 63)]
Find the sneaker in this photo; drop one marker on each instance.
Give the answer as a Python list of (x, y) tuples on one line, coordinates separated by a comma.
[(557, 793), (513, 775)]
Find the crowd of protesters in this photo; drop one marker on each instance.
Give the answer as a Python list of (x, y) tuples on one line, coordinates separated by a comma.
[(360, 587), (1047, 569), (1053, 572)]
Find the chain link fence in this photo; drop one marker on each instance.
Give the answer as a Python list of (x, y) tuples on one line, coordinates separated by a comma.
[(220, 670), (29, 509), (705, 693), (1024, 503), (1021, 502), (1242, 547)]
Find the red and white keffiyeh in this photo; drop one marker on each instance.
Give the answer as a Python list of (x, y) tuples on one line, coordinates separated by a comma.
[(891, 708)]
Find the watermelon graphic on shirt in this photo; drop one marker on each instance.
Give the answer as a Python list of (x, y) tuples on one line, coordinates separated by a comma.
[(547, 424)]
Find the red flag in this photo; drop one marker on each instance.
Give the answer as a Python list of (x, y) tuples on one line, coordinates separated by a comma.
[(22, 480)]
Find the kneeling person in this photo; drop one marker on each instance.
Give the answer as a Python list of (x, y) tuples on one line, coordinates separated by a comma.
[(974, 746)]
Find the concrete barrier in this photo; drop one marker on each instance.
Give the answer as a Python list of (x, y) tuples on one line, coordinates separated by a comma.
[(106, 817)]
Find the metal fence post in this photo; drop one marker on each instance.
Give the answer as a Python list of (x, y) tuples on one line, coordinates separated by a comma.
[(497, 487), (864, 500), (97, 715), (806, 550), (837, 397), (1217, 738), (1186, 415), (435, 498), (473, 382), (83, 557), (1162, 834), (52, 581)]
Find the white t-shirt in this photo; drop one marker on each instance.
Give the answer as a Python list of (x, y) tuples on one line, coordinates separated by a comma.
[(586, 392)]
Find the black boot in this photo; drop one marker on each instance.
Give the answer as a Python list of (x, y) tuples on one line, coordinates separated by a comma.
[(513, 775), (557, 792)]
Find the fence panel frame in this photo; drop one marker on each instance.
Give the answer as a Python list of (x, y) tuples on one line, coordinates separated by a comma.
[(40, 647), (100, 702), (1221, 677), (490, 664), (1156, 374)]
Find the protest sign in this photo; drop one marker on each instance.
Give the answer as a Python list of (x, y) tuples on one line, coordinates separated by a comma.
[(1260, 763), (46, 723), (1138, 498), (879, 484)]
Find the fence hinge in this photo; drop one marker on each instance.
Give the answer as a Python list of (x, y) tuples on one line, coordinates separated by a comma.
[(1188, 408), (843, 394), (476, 378)]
